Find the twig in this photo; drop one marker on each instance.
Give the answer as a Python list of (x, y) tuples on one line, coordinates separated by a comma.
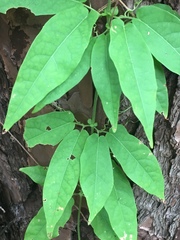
[(124, 5), (105, 6), (21, 145)]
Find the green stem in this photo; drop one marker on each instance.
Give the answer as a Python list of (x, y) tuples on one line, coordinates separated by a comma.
[(79, 216), (109, 10), (94, 111)]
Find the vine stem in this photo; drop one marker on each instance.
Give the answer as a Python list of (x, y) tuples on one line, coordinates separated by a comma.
[(94, 111), (124, 5), (79, 216), (20, 145)]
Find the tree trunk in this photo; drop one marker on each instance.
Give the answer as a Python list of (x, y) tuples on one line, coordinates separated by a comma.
[(20, 198)]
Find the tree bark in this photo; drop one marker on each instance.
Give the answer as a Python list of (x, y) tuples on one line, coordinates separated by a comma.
[(20, 198)]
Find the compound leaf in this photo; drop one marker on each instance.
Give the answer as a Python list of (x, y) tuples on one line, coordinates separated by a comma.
[(96, 175), (106, 79), (53, 56), (121, 207), (49, 128), (137, 161), (102, 226), (39, 7), (62, 177), (136, 72), (160, 27), (72, 80), (36, 173), (162, 93)]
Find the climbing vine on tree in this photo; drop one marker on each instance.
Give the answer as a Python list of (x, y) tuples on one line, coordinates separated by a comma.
[(127, 59)]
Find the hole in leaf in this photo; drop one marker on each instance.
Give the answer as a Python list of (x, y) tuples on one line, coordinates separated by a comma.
[(71, 157), (48, 128)]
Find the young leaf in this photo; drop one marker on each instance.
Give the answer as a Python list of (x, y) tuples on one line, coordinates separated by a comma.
[(49, 128), (37, 227), (53, 56), (102, 226), (160, 27), (162, 94), (106, 79), (39, 7), (135, 67), (137, 161), (96, 182), (121, 207), (36, 173), (72, 80), (62, 177)]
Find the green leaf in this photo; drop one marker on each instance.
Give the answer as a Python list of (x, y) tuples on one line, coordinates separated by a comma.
[(160, 30), (36, 173), (121, 207), (162, 93), (49, 128), (136, 71), (37, 227), (96, 175), (39, 7), (137, 161), (106, 79), (102, 226), (72, 80), (53, 56), (167, 8), (62, 177), (64, 218)]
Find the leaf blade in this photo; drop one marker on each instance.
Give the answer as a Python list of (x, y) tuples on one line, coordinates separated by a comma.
[(36, 173), (37, 227), (160, 27), (38, 8), (95, 182), (102, 226), (49, 128), (72, 80), (136, 75), (106, 79), (62, 177), (50, 60), (121, 207), (162, 93), (137, 161)]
